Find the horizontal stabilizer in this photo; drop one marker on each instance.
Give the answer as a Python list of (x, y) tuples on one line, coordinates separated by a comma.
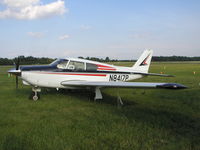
[(154, 74)]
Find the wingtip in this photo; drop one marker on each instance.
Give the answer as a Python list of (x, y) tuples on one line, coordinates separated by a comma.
[(172, 86)]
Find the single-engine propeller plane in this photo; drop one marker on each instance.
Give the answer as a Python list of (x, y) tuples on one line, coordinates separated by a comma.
[(74, 73)]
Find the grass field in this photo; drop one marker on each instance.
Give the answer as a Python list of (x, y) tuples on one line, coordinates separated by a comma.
[(149, 120)]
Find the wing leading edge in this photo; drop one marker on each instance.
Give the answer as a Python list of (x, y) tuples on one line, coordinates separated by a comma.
[(123, 84)]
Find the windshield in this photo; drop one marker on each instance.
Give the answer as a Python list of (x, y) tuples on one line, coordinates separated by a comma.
[(58, 61)]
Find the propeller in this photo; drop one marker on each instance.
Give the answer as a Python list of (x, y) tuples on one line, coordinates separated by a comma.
[(17, 64), (16, 82), (17, 68)]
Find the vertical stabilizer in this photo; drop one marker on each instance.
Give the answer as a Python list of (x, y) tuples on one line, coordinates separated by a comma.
[(143, 63)]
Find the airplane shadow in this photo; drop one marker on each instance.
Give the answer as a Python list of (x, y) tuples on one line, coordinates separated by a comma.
[(177, 123), (88, 95)]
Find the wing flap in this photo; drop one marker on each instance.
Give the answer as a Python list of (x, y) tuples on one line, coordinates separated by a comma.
[(123, 84)]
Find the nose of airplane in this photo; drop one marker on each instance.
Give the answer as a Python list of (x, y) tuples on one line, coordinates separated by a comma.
[(15, 72)]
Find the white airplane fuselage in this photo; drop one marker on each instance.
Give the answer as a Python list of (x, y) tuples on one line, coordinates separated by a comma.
[(53, 80)]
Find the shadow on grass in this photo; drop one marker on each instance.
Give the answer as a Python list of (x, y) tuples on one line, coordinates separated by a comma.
[(178, 124), (88, 95), (13, 142)]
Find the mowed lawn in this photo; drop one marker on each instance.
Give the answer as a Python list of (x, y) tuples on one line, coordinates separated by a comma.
[(150, 119)]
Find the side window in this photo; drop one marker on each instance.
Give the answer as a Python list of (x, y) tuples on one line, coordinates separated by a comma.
[(75, 65), (62, 64), (91, 67)]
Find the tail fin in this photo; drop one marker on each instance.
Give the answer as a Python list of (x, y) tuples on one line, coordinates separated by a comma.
[(143, 62)]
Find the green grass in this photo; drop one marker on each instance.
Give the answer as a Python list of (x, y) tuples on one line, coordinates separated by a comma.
[(150, 119)]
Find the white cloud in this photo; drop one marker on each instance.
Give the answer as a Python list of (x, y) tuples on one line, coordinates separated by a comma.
[(62, 37), (85, 27), (36, 34), (31, 9), (19, 3)]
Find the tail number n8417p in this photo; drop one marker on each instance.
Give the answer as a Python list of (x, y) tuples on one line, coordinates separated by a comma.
[(118, 77)]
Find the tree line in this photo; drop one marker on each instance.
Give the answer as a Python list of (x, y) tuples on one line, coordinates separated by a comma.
[(45, 60), (26, 60), (154, 58)]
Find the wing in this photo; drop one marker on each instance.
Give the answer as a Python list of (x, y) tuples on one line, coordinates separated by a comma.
[(123, 84)]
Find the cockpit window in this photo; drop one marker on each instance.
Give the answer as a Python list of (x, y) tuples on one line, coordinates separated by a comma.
[(60, 63), (63, 64), (76, 65), (91, 67)]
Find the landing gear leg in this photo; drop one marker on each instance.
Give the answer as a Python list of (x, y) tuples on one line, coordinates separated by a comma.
[(98, 94), (35, 94), (119, 100)]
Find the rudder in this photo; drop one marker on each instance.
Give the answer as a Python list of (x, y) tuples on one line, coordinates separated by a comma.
[(143, 63)]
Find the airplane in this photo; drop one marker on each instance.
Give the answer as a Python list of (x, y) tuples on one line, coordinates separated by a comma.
[(75, 73)]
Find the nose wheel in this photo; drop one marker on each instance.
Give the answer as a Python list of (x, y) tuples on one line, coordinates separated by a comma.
[(35, 94)]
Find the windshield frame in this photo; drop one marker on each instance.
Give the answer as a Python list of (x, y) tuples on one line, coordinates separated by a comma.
[(57, 61)]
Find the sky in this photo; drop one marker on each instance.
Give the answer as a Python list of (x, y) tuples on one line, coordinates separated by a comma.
[(120, 29)]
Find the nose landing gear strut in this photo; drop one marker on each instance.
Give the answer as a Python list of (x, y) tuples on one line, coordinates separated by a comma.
[(35, 94)]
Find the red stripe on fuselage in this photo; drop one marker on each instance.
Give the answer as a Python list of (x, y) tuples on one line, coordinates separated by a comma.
[(77, 74), (106, 69), (103, 67)]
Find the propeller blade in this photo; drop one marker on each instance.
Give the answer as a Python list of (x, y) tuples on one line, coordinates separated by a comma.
[(17, 63), (17, 68), (16, 82)]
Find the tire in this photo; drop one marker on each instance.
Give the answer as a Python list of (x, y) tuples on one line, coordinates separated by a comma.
[(34, 97)]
